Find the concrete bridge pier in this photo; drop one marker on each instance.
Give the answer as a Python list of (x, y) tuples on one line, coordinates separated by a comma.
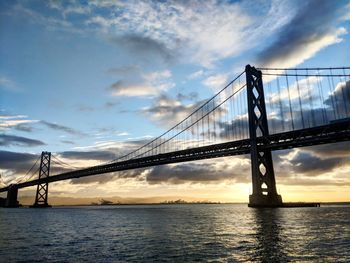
[(12, 193), (265, 200)]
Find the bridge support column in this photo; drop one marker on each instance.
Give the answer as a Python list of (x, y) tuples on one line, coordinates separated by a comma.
[(11, 200), (43, 188), (263, 176)]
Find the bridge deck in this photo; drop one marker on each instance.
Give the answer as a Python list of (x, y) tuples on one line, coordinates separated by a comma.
[(334, 132)]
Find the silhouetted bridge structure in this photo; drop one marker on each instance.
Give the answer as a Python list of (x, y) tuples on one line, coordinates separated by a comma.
[(296, 108)]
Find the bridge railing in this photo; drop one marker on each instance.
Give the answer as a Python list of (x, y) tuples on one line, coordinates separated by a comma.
[(305, 97)]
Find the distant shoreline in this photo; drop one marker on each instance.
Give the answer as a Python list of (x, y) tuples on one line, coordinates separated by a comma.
[(187, 203)]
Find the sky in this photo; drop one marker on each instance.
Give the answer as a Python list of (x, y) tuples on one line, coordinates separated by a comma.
[(92, 80)]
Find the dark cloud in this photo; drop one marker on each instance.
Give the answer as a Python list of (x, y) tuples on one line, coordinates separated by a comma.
[(193, 96), (314, 111), (145, 47), (301, 119), (8, 140), (118, 85), (105, 178), (313, 21), (305, 162), (340, 149), (17, 162), (168, 111), (63, 128), (205, 172), (237, 129), (339, 100), (20, 163), (24, 128), (201, 173)]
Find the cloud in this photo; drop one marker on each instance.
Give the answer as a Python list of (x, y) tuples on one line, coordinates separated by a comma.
[(313, 166), (145, 47), (322, 100), (195, 31), (340, 149), (305, 162), (123, 134), (177, 30), (12, 140), (339, 100), (192, 96), (306, 166), (196, 75), (7, 117), (105, 178), (204, 172), (114, 147), (236, 129), (24, 128), (303, 89), (168, 111), (50, 22), (150, 84), (208, 171), (17, 124), (68, 7), (57, 127), (216, 82), (311, 30), (17, 163), (22, 123)]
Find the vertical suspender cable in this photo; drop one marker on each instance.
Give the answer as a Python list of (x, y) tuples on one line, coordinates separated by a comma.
[(320, 92), (335, 111), (310, 99), (301, 108), (290, 103), (342, 87), (280, 103), (270, 99), (347, 85)]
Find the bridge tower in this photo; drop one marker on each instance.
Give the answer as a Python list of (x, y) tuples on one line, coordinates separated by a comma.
[(43, 188), (263, 176)]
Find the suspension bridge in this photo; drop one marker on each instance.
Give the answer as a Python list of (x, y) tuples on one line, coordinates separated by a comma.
[(260, 111)]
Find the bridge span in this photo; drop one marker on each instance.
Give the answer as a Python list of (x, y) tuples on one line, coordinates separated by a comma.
[(296, 108)]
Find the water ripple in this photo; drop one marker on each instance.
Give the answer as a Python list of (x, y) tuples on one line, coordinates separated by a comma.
[(175, 233)]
